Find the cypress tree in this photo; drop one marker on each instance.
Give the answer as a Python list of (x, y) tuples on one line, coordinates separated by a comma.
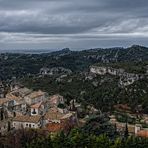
[(126, 134)]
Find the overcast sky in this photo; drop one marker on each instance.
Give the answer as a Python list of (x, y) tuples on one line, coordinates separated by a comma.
[(77, 24)]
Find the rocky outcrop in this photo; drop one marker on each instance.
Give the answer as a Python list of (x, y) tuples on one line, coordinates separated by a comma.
[(129, 78), (125, 78), (106, 70), (44, 71), (98, 70), (54, 70)]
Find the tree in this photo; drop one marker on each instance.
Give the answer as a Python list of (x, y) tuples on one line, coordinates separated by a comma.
[(126, 134), (9, 126), (2, 115), (103, 141), (60, 140)]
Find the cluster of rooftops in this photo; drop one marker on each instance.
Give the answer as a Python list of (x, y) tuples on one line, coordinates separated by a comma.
[(24, 108)]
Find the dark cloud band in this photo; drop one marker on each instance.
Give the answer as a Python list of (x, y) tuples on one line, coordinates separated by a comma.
[(58, 22)]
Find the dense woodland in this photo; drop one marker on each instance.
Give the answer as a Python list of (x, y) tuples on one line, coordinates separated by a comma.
[(75, 139)]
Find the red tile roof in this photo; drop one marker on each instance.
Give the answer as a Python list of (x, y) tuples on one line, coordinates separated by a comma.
[(143, 133), (57, 127)]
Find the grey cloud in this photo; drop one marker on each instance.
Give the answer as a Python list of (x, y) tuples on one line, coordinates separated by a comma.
[(58, 22)]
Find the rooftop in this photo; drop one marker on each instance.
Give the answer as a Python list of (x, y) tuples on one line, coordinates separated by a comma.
[(55, 127), (67, 116), (55, 97), (143, 133), (26, 118), (36, 94), (37, 105), (3, 100), (8, 98), (12, 97), (53, 114), (22, 91)]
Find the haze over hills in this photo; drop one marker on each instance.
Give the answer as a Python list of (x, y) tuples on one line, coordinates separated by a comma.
[(38, 51), (26, 51)]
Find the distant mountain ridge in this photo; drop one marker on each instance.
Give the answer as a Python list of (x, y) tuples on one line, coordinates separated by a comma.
[(117, 54), (105, 55), (18, 64)]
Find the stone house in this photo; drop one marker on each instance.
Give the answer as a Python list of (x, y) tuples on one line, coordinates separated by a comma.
[(55, 100), (36, 97), (21, 92), (53, 115), (38, 109), (3, 101), (27, 122), (56, 121), (65, 123), (20, 107), (16, 103), (5, 126), (15, 86)]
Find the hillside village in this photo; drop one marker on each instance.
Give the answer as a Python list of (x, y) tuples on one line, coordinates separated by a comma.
[(24, 108), (136, 123)]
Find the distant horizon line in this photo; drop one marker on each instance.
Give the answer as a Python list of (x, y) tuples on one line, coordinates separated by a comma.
[(44, 50)]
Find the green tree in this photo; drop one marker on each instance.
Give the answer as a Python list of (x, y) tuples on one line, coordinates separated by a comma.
[(126, 134)]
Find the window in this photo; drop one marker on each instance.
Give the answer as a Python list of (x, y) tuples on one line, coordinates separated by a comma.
[(29, 125), (26, 124), (34, 112)]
